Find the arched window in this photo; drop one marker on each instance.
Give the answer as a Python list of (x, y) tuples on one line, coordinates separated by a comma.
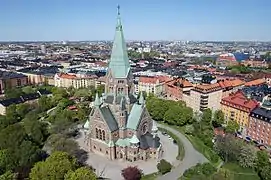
[(103, 135), (100, 134), (97, 133)]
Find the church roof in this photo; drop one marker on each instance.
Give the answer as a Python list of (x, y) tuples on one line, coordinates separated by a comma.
[(86, 125), (154, 126), (110, 98), (123, 142), (119, 61), (111, 144), (134, 116), (148, 141), (134, 140), (109, 118)]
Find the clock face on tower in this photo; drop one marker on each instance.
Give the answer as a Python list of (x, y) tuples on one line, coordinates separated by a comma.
[(144, 128)]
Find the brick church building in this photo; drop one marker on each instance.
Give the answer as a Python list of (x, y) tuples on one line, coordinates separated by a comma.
[(119, 125)]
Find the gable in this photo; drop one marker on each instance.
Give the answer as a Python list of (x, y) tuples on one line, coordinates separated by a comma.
[(108, 117)]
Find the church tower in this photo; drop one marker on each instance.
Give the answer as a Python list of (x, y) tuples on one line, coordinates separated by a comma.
[(119, 80)]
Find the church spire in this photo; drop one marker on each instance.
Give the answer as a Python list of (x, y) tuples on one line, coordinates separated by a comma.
[(97, 101), (119, 61), (141, 98)]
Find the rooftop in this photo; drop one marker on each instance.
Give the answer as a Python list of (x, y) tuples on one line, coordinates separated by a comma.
[(239, 101)]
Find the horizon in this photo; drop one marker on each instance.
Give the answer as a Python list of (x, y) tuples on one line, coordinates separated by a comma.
[(173, 20)]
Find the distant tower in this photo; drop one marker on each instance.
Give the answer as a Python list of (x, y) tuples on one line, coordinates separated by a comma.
[(142, 52), (43, 49)]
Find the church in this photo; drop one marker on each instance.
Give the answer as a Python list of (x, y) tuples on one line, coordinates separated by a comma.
[(119, 125)]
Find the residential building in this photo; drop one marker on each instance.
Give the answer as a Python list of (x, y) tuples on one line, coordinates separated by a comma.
[(259, 128), (152, 84), (27, 98), (237, 107), (230, 86), (11, 80), (204, 96), (119, 125), (174, 89), (76, 81)]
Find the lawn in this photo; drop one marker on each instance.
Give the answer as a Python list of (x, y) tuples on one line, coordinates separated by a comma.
[(179, 143), (241, 173), (152, 176), (200, 147)]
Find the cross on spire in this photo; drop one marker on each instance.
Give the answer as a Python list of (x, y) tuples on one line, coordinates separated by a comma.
[(118, 9)]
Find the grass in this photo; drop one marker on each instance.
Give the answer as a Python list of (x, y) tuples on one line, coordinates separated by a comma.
[(152, 176), (200, 146), (241, 173), (181, 151)]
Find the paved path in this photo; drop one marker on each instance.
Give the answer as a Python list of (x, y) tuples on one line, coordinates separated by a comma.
[(191, 157)]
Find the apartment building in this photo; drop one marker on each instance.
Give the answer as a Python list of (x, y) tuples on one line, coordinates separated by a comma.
[(11, 80), (237, 107), (26, 98), (259, 128), (174, 89), (151, 84), (204, 96), (230, 86), (76, 81)]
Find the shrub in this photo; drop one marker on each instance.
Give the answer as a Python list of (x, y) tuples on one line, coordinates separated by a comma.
[(131, 173), (164, 167)]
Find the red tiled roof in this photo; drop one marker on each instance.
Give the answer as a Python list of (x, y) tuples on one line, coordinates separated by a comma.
[(231, 83), (153, 80), (255, 82), (239, 101), (67, 76)]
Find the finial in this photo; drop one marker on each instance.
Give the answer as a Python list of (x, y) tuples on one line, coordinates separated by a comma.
[(118, 9)]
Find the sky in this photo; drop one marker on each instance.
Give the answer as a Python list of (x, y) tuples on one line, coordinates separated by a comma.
[(78, 20)]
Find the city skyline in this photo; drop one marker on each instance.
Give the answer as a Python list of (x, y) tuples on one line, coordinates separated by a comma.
[(155, 20)]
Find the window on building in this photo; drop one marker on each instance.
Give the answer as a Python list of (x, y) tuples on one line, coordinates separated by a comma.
[(103, 135), (97, 133), (100, 134), (19, 82)]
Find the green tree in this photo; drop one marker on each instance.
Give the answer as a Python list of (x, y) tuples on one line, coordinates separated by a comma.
[(164, 167), (59, 142), (36, 130), (28, 153), (13, 93), (84, 92), (54, 167), (12, 136), (44, 103), (189, 129), (266, 173), (218, 118), (231, 127), (82, 173), (22, 110), (178, 115), (228, 147), (157, 108), (9, 175), (7, 161), (262, 160), (206, 117), (29, 89), (247, 156)]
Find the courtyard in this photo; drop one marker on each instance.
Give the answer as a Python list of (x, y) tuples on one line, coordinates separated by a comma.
[(112, 169)]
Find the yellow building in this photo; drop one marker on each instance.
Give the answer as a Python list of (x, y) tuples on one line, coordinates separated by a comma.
[(237, 107), (75, 81)]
